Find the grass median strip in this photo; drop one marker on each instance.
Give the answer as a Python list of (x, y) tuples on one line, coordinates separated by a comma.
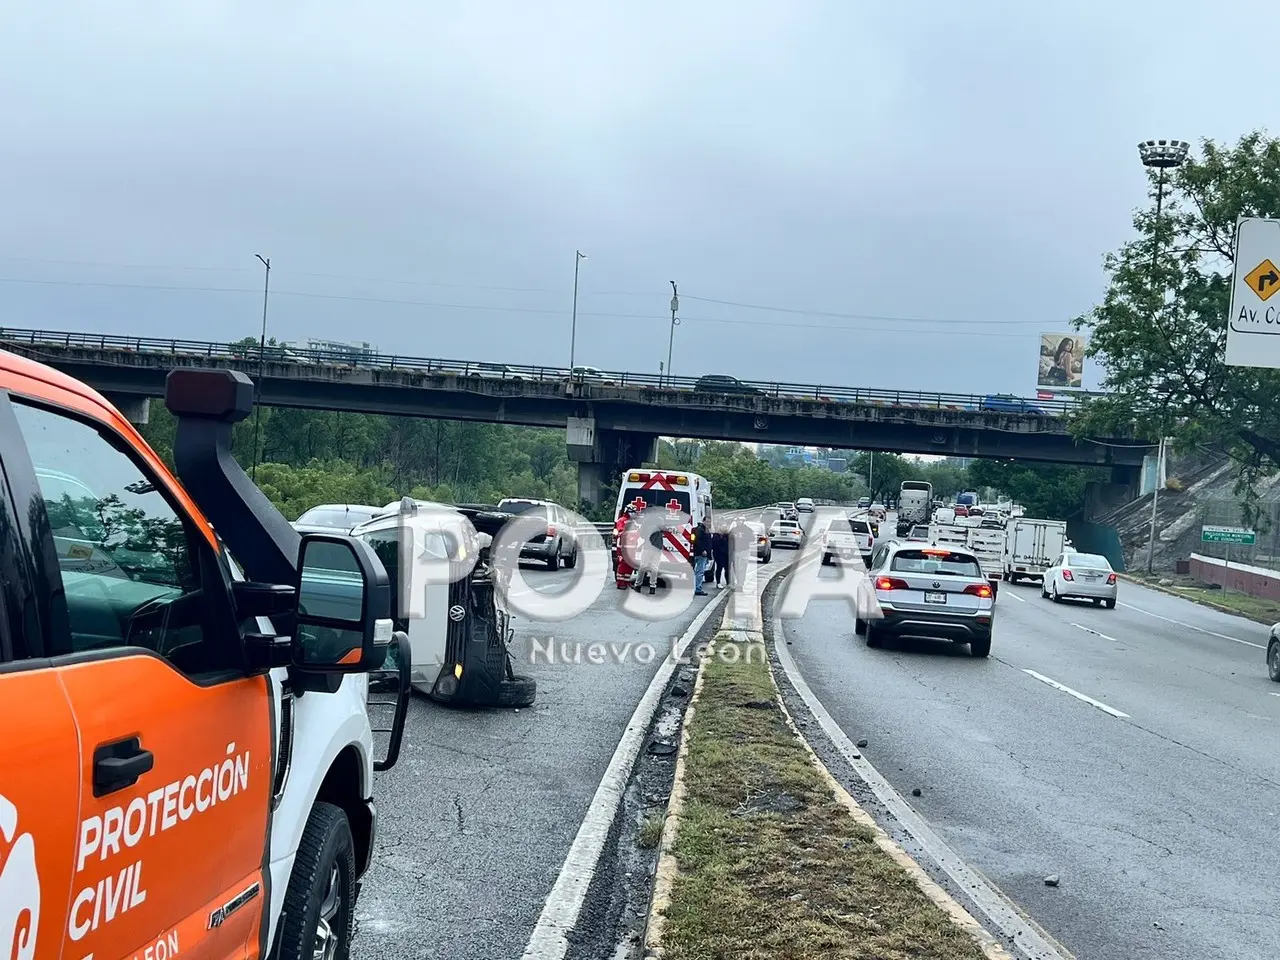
[(771, 865)]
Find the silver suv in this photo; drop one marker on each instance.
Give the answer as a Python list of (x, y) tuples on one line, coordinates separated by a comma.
[(929, 591), (559, 544)]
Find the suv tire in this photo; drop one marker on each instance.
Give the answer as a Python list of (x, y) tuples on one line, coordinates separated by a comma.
[(321, 896), (517, 692), (1273, 660), (980, 648), (571, 560), (553, 561)]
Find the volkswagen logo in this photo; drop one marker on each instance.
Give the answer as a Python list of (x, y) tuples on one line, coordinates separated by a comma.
[(457, 612), (936, 585)]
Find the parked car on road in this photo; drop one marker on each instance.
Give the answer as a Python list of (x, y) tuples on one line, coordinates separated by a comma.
[(764, 549), (929, 591), (1081, 576), (558, 543), (786, 533), (335, 517)]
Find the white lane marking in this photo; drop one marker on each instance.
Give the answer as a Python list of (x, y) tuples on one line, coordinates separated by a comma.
[(1189, 626), (991, 903), (1077, 694), (1275, 694), (1014, 595), (549, 940), (1096, 633)]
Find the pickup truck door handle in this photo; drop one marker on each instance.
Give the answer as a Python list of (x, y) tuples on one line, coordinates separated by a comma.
[(118, 765)]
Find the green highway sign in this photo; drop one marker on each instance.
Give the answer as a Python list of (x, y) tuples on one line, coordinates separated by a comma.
[(1212, 534)]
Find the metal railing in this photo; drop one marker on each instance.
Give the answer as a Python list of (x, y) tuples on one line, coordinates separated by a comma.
[(519, 373)]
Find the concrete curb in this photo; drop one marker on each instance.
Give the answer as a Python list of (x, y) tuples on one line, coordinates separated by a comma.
[(961, 917), (734, 630), (1196, 600)]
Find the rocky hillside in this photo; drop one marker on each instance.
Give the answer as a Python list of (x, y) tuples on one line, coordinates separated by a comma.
[(1205, 485)]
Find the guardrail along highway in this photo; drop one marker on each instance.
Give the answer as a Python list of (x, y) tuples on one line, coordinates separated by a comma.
[(613, 419)]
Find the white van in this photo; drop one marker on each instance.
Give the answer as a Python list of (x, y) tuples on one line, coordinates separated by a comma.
[(673, 492)]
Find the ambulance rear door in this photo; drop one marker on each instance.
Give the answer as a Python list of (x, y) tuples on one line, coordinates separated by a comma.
[(176, 737)]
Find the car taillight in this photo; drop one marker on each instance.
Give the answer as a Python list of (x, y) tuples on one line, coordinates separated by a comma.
[(551, 529), (891, 583), (1111, 578), (1066, 575), (979, 589)]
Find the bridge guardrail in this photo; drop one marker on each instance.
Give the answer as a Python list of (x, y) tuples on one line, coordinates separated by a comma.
[(518, 373)]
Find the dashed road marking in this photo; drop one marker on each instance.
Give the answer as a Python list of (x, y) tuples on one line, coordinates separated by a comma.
[(1096, 633), (1014, 595), (1077, 694), (1189, 626)]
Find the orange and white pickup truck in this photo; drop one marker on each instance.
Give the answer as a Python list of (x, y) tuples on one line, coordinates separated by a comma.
[(187, 761)]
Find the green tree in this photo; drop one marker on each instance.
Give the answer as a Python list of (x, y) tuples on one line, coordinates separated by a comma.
[(1160, 330), (887, 471), (1049, 490)]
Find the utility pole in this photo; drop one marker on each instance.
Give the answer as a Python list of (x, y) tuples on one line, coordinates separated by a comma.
[(578, 257), (1163, 155), (675, 322), (262, 361)]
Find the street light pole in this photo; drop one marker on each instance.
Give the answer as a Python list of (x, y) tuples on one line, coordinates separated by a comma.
[(262, 360), (578, 257), (1163, 155), (675, 305)]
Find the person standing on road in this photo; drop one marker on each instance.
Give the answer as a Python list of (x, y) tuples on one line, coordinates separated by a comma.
[(741, 548), (701, 556), (720, 556)]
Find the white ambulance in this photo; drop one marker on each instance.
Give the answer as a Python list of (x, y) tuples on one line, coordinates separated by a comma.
[(683, 498)]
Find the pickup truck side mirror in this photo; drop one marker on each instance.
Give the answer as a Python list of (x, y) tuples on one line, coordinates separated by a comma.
[(344, 606)]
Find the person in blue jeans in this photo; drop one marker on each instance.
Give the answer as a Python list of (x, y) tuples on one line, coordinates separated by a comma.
[(701, 557)]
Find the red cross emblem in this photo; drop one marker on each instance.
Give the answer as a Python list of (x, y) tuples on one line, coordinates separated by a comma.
[(674, 505), (638, 503)]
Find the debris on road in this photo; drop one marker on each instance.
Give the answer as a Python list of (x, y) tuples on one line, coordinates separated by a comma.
[(1051, 880), (769, 863), (862, 743), (915, 791)]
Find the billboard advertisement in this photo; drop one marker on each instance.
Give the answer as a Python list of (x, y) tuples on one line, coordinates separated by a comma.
[(1061, 361)]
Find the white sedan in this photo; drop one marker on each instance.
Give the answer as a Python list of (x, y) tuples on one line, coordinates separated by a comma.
[(786, 533), (1081, 576)]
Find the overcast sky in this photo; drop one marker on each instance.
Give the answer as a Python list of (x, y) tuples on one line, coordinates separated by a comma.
[(927, 189)]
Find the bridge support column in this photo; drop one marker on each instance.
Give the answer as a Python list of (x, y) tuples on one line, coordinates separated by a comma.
[(137, 410), (602, 455), (1101, 498)]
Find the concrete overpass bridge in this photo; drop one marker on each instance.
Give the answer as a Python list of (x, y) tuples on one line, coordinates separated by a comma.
[(612, 419)]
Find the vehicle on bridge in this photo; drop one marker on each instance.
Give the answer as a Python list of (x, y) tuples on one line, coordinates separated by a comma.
[(146, 662), (720, 383), (1008, 403), (929, 591)]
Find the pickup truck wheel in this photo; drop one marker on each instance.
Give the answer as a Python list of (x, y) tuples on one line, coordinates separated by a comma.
[(517, 692), (826, 559), (1273, 660), (319, 904)]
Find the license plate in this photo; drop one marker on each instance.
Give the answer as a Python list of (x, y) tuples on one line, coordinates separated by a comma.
[(935, 598)]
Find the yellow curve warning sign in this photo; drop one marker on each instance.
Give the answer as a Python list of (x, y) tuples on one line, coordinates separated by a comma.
[(1264, 279)]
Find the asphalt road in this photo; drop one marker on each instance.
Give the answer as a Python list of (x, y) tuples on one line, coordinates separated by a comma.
[(477, 816), (1163, 824)]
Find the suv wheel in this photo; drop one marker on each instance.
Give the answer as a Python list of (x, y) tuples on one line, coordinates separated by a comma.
[(571, 560), (1273, 660), (553, 561)]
